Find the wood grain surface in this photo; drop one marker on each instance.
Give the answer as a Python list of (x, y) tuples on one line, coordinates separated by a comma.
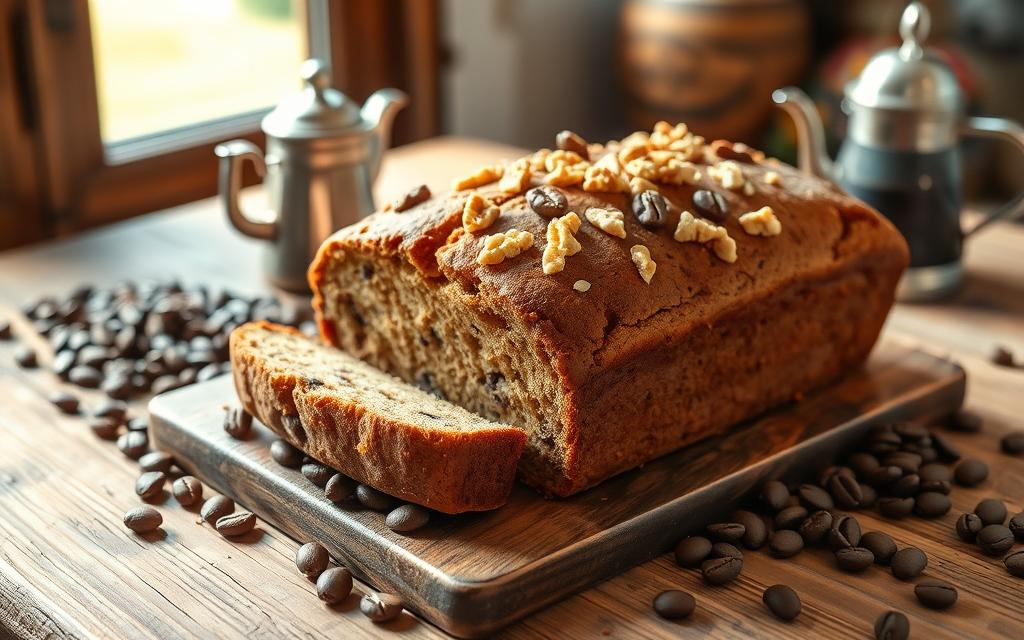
[(68, 568)]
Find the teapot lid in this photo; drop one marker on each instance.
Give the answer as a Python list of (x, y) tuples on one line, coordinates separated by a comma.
[(317, 111), (908, 77)]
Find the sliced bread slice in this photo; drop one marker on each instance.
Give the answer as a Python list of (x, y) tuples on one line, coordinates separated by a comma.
[(371, 426)]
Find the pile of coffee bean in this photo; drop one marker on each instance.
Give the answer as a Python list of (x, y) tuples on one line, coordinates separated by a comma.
[(334, 584), (146, 337), (987, 527)]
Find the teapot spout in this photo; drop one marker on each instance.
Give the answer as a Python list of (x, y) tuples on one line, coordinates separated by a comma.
[(379, 114), (812, 155)]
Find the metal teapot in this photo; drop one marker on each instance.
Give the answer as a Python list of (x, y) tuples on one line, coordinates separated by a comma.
[(901, 154), (323, 155)]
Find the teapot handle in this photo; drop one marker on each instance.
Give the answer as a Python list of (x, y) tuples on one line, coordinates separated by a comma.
[(232, 155), (999, 129)]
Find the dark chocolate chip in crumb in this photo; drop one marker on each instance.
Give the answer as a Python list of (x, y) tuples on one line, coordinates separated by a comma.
[(547, 201), (412, 198)]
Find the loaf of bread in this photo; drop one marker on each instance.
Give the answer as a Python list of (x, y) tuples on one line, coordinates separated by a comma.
[(616, 301), (371, 426)]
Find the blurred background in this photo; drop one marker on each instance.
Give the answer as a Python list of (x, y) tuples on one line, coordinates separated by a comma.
[(110, 108)]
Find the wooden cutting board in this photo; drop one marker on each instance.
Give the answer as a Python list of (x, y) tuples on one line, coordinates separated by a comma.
[(473, 574)]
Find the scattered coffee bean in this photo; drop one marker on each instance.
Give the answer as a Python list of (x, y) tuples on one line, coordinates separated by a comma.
[(862, 463), (845, 491), (790, 517), (150, 484), (133, 444), (318, 473), (755, 531), (547, 201), (774, 496), (66, 402), (380, 607), (373, 499), (932, 505), (1013, 443), (785, 543), (884, 475), (86, 377), (26, 357), (815, 498), (908, 563), (407, 517), (1014, 564), (692, 551), (868, 496), (5, 330), (238, 423), (1016, 526), (570, 141), (907, 461), (994, 539), (935, 594), (971, 472), (814, 529), (991, 511), (156, 461), (721, 570), (937, 486), (967, 527), (944, 449), (906, 487), (411, 198), (236, 524), (854, 559), (187, 490), (966, 421), (725, 550), (113, 409), (339, 487), (892, 625), (1003, 357), (726, 531), (138, 424), (650, 209), (143, 519), (845, 533), (782, 601), (312, 559), (895, 508), (935, 472), (63, 362), (711, 205), (334, 585), (216, 508), (880, 545), (105, 428), (674, 604), (285, 454)]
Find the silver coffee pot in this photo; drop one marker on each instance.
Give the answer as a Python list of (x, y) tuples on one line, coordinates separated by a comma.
[(323, 155), (902, 153)]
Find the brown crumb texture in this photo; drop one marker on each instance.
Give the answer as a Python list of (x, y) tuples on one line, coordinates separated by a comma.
[(371, 426)]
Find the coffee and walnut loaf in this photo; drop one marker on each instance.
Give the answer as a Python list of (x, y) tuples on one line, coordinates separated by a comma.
[(615, 301)]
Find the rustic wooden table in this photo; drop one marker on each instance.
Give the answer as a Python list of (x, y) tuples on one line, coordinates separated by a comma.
[(69, 568)]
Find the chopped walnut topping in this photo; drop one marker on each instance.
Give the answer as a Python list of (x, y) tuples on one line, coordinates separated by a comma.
[(678, 172), (762, 222), (772, 178), (604, 180), (508, 244), (581, 285), (538, 160), (642, 167), (561, 242), (478, 213), (748, 189), (639, 185), (736, 151), (561, 157), (566, 176), (517, 177), (728, 173), (641, 256), (483, 175), (609, 220), (692, 229)]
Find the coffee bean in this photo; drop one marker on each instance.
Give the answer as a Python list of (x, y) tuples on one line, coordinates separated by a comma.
[(407, 517), (138, 424), (105, 428), (726, 531), (318, 473), (785, 543), (868, 496), (774, 495), (674, 604), (994, 539), (380, 607), (815, 498), (650, 209), (884, 443), (991, 511), (967, 527), (1016, 526), (373, 499), (236, 524), (1003, 357), (63, 362), (845, 532), (910, 431), (725, 550), (931, 504), (570, 141), (64, 401), (790, 517), (5, 330), (721, 570), (884, 476), (692, 551), (944, 449), (907, 461), (1013, 443), (845, 491), (187, 490), (862, 463), (133, 444), (966, 421), (156, 461), (906, 487), (755, 531), (150, 484), (339, 488), (971, 472), (895, 508), (547, 201), (312, 559), (908, 563), (411, 198), (165, 383), (782, 601), (892, 625), (814, 529), (334, 585), (935, 594), (238, 423), (143, 519), (711, 205), (1014, 564), (114, 409), (854, 559), (285, 454), (880, 545), (937, 486), (935, 472), (26, 357), (216, 508)]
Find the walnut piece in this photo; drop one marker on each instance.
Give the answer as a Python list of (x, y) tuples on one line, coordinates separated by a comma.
[(641, 256), (605, 180), (516, 177), (483, 175), (692, 229), (772, 178), (609, 220), (639, 185), (478, 213), (503, 245), (565, 176), (728, 173), (561, 242), (581, 285), (762, 222), (561, 157)]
